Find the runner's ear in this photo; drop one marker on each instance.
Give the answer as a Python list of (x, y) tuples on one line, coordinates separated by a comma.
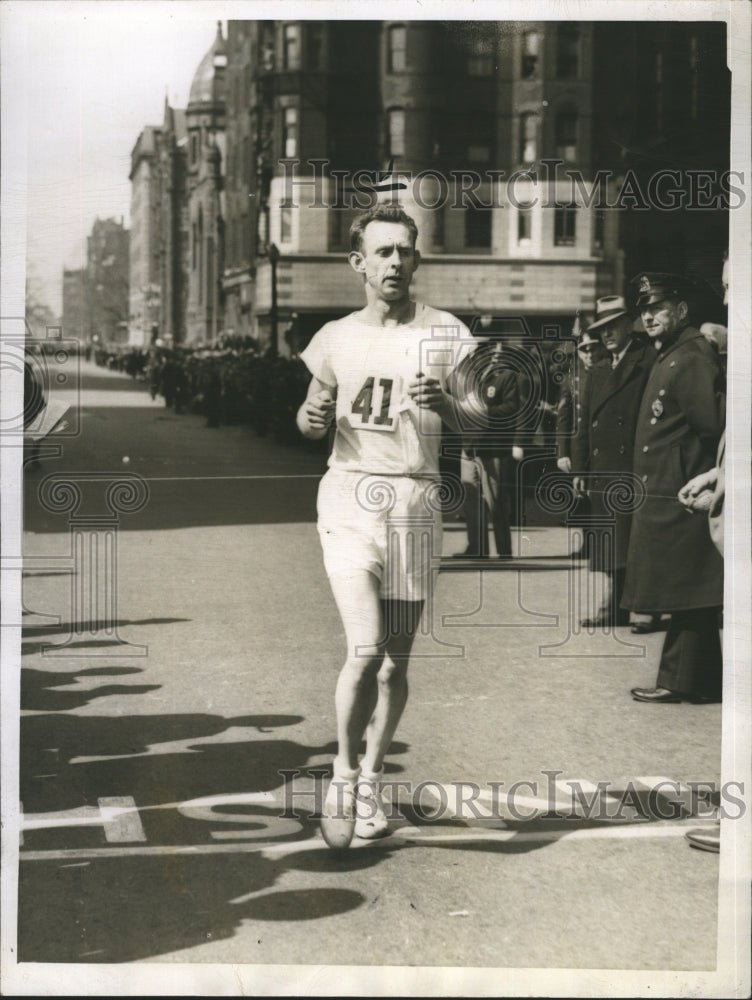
[(416, 258)]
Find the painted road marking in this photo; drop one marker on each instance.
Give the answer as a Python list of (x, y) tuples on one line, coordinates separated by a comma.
[(122, 821), (118, 816), (407, 834)]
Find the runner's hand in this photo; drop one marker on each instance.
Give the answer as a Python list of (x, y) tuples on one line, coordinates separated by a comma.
[(319, 410), (427, 393)]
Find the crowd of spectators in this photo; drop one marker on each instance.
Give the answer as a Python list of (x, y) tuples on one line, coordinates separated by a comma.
[(231, 382)]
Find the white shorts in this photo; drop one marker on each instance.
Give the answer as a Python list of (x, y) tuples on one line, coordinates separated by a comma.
[(387, 525)]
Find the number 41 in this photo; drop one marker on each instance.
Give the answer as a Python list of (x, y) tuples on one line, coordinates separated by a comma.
[(364, 399)]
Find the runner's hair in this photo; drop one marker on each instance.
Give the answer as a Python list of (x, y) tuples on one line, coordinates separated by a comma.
[(380, 213)]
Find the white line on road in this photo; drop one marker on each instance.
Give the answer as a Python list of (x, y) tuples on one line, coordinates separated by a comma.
[(408, 834)]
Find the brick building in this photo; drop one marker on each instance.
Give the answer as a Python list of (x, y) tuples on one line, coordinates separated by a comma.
[(292, 124), (327, 103)]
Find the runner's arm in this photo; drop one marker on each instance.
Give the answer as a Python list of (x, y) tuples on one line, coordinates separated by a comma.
[(317, 410)]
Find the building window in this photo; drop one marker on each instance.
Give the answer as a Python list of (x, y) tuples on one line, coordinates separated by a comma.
[(285, 224), (397, 48), (315, 45), (396, 132), (524, 223), (291, 52), (599, 228), (290, 132), (530, 46), (565, 132), (478, 227), (194, 148), (480, 65), (567, 51), (564, 225), (528, 137)]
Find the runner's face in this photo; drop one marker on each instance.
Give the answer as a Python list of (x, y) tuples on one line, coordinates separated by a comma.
[(388, 259)]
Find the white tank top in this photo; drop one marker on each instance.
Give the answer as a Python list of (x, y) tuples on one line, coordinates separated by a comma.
[(378, 428)]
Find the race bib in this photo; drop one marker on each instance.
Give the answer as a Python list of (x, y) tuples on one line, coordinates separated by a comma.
[(377, 404)]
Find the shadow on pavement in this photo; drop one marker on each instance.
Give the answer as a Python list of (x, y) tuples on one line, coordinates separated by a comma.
[(131, 908), (36, 695), (68, 627)]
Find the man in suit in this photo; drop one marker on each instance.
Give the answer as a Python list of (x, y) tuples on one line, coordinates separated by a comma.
[(672, 564), (490, 450), (603, 448)]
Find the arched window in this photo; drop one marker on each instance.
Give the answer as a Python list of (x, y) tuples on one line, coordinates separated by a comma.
[(565, 134)]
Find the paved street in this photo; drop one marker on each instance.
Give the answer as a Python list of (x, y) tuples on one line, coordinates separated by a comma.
[(167, 762)]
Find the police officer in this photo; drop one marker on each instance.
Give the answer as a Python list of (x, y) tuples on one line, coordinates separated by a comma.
[(672, 564)]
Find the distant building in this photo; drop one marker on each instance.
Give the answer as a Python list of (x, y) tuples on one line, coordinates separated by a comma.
[(107, 275), (172, 226), (145, 289), (205, 125), (75, 325)]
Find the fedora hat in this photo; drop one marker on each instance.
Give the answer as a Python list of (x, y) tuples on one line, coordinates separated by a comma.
[(607, 309)]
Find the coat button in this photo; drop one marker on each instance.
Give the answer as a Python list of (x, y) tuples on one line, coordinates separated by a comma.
[(620, 422), (661, 392), (672, 365), (653, 420), (595, 423), (645, 448), (621, 449), (595, 451), (644, 479)]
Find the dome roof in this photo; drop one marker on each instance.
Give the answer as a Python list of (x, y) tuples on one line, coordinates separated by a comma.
[(208, 83)]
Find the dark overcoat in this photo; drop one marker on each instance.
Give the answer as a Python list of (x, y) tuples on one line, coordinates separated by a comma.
[(603, 448), (672, 564)]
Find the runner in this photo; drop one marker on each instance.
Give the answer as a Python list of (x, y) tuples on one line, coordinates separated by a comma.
[(383, 372)]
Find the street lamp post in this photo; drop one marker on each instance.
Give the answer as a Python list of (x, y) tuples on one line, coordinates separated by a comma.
[(273, 253)]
